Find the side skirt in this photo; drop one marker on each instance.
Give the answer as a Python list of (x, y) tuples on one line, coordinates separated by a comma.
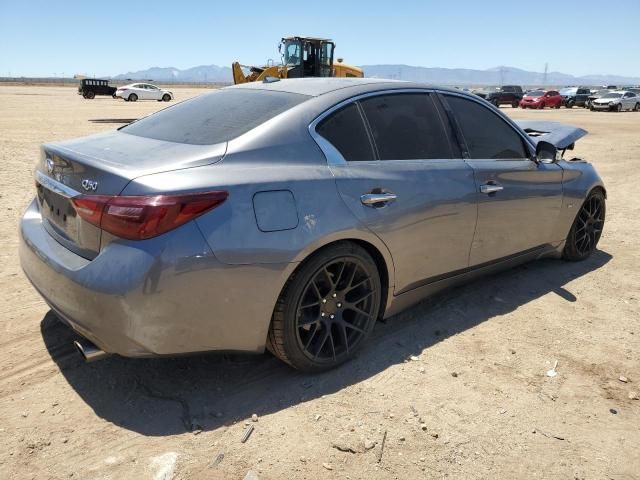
[(411, 297)]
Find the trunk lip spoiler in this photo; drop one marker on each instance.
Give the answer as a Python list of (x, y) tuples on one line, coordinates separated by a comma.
[(561, 135)]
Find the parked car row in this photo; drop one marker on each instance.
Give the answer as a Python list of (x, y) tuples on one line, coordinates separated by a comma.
[(91, 87), (610, 98)]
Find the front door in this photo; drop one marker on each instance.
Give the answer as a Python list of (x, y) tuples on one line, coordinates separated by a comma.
[(400, 179), (519, 200)]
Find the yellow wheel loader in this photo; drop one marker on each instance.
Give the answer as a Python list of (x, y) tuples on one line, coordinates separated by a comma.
[(301, 57)]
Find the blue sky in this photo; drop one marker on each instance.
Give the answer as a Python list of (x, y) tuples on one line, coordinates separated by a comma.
[(108, 37)]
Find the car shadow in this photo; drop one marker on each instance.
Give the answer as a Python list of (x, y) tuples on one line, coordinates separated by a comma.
[(166, 396)]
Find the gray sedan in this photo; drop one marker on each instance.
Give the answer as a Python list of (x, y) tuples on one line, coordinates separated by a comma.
[(293, 214)]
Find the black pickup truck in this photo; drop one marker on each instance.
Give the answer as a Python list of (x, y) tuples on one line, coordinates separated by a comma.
[(507, 94), (90, 87)]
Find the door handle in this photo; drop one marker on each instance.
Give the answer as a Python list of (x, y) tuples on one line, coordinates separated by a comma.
[(377, 199), (490, 188)]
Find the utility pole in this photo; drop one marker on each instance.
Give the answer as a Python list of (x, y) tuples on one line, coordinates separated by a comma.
[(544, 77), (502, 71)]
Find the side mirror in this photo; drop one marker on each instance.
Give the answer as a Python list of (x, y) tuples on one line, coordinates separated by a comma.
[(547, 152)]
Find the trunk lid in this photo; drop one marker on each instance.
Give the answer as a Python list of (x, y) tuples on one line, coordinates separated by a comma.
[(103, 164), (558, 134)]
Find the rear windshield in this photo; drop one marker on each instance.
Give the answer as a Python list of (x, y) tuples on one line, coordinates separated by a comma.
[(215, 117)]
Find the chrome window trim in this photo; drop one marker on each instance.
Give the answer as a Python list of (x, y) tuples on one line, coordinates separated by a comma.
[(333, 156), (55, 186)]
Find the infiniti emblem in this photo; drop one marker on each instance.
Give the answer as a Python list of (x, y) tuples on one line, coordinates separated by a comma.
[(50, 165), (89, 185)]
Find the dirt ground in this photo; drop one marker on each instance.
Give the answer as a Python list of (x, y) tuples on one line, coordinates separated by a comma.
[(453, 388)]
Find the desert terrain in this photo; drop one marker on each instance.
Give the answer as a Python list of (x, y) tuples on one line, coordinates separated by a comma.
[(456, 387)]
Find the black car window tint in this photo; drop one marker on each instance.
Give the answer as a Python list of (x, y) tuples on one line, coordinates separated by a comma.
[(486, 134), (406, 126), (345, 130)]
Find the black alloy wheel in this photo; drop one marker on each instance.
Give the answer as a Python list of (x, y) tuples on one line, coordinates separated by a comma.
[(327, 309), (587, 228)]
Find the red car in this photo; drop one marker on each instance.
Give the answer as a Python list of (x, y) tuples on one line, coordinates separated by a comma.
[(541, 99)]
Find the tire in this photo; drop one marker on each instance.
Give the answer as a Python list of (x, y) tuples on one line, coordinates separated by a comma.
[(133, 98), (514, 104), (619, 107), (570, 103), (496, 102), (327, 309), (166, 97), (91, 95), (557, 106), (592, 109), (637, 107), (586, 229), (541, 107)]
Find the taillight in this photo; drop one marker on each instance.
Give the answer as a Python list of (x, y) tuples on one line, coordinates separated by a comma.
[(141, 217)]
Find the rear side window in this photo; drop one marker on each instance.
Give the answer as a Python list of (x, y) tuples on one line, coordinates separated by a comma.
[(345, 130), (216, 117), (486, 134), (406, 127)]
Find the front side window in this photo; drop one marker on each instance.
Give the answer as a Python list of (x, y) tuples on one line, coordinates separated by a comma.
[(406, 127), (345, 130), (486, 134)]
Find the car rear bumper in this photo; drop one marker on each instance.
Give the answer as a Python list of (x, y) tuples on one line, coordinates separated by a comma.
[(163, 296), (597, 106)]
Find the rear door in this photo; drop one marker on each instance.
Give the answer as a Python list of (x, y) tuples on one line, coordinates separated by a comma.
[(519, 200), (395, 170)]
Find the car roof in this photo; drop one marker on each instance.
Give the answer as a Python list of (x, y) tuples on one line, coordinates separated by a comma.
[(315, 87)]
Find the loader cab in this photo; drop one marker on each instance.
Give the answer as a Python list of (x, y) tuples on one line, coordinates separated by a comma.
[(307, 57)]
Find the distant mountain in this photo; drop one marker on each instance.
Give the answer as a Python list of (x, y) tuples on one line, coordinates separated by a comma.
[(203, 73), (492, 76), (442, 76)]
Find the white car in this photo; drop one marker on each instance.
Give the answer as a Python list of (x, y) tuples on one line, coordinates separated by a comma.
[(618, 101), (143, 91)]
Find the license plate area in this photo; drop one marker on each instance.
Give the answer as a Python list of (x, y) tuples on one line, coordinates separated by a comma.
[(58, 211)]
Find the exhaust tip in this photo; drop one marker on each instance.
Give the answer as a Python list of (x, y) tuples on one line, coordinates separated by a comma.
[(89, 352)]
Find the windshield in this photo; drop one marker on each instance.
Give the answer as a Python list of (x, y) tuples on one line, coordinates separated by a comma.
[(215, 117), (536, 93), (612, 95), (292, 53), (568, 91)]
